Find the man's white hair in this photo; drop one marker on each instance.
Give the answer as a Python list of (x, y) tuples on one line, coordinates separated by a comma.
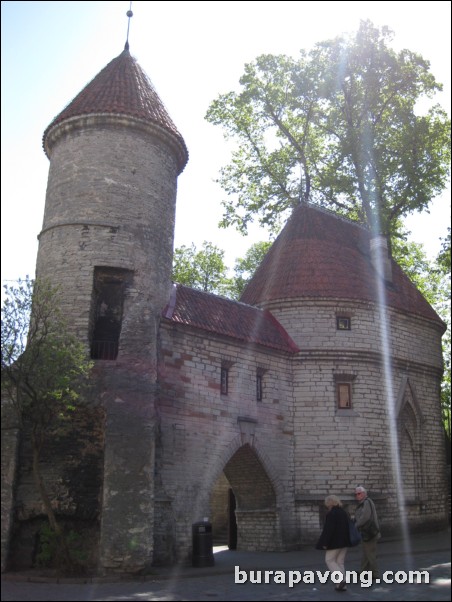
[(360, 489)]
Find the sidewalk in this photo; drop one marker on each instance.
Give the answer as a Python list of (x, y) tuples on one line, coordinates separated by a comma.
[(226, 560), (286, 572), (308, 557)]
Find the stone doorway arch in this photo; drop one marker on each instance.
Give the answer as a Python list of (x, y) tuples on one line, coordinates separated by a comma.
[(410, 422), (254, 521)]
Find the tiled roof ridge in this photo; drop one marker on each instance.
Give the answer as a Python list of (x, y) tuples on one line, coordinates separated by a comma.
[(416, 291), (333, 213), (215, 295), (279, 327), (208, 311)]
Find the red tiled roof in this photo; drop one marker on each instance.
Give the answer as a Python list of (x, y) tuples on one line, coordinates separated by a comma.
[(121, 88), (321, 255), (226, 317)]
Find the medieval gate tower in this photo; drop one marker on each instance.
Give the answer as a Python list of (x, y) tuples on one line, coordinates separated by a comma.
[(247, 412), (107, 242)]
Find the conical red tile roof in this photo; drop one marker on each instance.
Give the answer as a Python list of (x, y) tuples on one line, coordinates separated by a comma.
[(122, 88), (321, 255)]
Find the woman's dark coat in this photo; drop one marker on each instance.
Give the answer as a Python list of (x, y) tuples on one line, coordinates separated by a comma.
[(335, 531)]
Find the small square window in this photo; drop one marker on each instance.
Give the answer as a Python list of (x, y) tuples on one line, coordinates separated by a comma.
[(259, 387), (224, 381), (343, 323), (344, 395)]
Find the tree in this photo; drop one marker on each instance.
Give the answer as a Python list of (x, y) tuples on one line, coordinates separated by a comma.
[(411, 257), (443, 308), (273, 120), (44, 369), (388, 160), (246, 266), (204, 270), (338, 127)]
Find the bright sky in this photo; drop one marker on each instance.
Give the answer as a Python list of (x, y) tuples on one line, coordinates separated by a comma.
[(192, 52)]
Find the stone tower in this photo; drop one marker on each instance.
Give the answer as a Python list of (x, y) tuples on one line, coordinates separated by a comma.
[(107, 242)]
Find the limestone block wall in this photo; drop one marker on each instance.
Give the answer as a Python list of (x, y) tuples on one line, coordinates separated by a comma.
[(259, 531), (201, 430), (312, 325), (337, 448), (110, 204), (219, 508)]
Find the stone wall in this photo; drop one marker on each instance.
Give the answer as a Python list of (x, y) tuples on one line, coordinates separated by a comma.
[(110, 207), (9, 444), (201, 430), (258, 531), (110, 202), (333, 449), (219, 508), (338, 448), (72, 470)]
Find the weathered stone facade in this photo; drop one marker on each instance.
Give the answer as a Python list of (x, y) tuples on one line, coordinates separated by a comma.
[(209, 407)]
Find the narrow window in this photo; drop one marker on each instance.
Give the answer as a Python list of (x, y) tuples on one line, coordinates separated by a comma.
[(108, 300), (259, 387), (344, 395), (224, 380), (343, 323)]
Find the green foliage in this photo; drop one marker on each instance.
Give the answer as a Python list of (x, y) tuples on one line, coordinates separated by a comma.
[(411, 257), (49, 549), (278, 141), (338, 127), (43, 365), (443, 258), (391, 160), (443, 308), (246, 266), (44, 369), (204, 270)]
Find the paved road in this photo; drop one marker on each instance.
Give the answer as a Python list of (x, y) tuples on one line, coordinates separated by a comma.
[(218, 582)]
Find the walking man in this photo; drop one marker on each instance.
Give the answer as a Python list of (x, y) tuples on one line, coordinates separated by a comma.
[(367, 522)]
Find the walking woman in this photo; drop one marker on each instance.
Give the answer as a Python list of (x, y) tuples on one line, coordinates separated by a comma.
[(335, 539)]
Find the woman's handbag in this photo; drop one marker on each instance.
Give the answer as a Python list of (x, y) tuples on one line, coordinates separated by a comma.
[(354, 534)]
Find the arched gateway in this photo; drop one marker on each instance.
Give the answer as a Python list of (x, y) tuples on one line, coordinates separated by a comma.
[(244, 503)]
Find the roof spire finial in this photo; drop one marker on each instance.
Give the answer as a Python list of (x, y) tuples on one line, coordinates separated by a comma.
[(129, 13)]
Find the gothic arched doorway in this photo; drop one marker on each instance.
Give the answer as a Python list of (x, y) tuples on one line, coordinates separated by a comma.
[(243, 504)]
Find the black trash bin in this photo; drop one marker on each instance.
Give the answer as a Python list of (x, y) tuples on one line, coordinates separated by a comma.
[(202, 544)]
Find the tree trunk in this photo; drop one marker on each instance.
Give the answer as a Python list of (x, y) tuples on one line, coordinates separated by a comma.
[(63, 558), (39, 481)]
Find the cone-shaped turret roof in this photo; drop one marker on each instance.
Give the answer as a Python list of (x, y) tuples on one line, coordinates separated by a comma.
[(121, 88), (321, 255)]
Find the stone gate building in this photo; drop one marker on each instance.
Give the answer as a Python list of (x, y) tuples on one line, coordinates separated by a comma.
[(324, 375)]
